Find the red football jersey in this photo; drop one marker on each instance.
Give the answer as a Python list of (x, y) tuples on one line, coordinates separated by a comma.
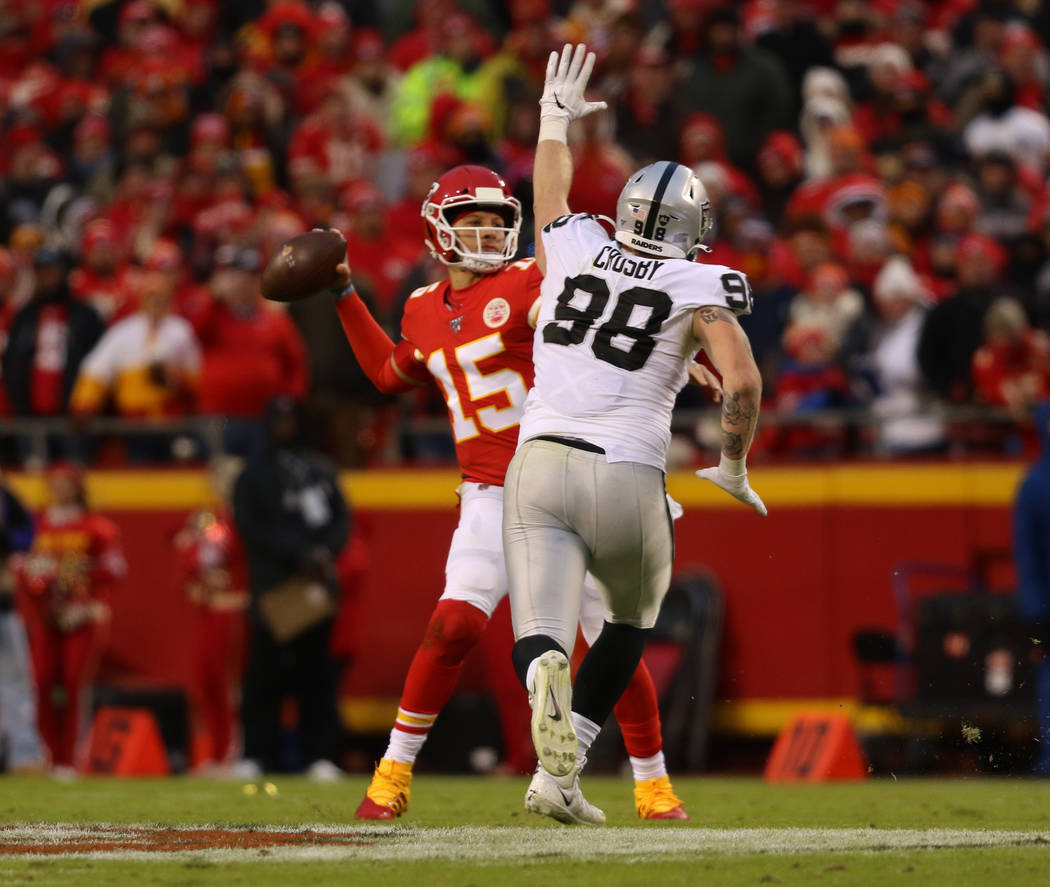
[(75, 556), (477, 343)]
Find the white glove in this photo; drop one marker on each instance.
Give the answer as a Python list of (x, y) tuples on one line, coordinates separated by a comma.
[(566, 82), (734, 484)]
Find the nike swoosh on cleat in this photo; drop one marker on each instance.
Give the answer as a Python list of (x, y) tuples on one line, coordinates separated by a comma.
[(564, 796)]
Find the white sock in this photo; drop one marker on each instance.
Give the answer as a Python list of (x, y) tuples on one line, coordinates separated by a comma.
[(404, 747), (586, 732), (645, 769), (530, 676)]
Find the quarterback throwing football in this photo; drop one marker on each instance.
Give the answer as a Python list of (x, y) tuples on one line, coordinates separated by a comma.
[(473, 334), (621, 320)]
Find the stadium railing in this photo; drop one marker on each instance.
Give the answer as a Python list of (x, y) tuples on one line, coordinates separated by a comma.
[(842, 433)]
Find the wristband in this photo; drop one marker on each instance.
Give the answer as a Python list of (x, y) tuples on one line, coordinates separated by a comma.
[(732, 467), (554, 128), (344, 293)]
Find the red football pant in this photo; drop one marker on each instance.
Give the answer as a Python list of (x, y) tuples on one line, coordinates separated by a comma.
[(68, 660), (211, 679), (454, 629), (638, 714)]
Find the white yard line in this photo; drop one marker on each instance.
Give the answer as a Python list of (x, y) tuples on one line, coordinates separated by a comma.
[(482, 844)]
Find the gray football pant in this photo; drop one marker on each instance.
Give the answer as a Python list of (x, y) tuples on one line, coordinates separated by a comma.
[(567, 510), (17, 694)]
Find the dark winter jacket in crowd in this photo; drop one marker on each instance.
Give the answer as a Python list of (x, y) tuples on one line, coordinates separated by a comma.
[(85, 327)]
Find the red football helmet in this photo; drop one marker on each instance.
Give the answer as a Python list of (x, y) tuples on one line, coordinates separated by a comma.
[(463, 189)]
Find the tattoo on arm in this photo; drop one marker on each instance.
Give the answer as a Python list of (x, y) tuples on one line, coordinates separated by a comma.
[(738, 424), (711, 313)]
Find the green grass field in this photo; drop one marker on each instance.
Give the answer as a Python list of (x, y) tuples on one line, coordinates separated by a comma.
[(474, 831)]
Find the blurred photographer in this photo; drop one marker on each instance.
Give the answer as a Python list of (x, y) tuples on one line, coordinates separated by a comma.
[(293, 522)]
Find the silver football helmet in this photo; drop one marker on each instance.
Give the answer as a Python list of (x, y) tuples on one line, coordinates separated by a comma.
[(663, 210)]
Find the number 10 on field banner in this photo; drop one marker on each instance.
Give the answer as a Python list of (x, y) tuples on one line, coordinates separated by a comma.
[(814, 747)]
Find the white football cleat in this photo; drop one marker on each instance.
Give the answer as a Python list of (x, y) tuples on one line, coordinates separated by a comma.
[(553, 735), (560, 797)]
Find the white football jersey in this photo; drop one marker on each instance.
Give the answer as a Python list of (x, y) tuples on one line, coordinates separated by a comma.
[(614, 340)]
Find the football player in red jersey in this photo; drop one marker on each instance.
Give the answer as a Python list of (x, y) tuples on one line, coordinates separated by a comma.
[(64, 585), (473, 334)]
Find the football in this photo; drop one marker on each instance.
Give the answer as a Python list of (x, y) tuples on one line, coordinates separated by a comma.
[(303, 266)]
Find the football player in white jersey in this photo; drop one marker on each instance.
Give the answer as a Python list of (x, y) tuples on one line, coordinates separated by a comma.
[(620, 322)]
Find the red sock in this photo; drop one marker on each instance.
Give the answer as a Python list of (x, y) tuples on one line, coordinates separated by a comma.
[(454, 629), (638, 715)]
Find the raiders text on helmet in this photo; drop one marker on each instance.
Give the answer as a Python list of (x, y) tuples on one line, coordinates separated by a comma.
[(464, 189), (663, 210)]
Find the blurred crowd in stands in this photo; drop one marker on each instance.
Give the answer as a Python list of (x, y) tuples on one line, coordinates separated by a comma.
[(878, 169)]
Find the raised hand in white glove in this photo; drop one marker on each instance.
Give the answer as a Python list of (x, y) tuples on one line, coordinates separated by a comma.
[(734, 484), (565, 85)]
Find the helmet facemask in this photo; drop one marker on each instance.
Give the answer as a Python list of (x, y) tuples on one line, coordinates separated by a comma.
[(452, 246)]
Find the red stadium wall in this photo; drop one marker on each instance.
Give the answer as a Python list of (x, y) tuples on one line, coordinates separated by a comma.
[(797, 583)]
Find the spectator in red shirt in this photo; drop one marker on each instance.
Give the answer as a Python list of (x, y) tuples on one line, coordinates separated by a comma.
[(849, 194), (381, 254), (809, 379), (117, 61), (333, 59), (779, 171), (209, 142), (252, 350), (426, 38), (876, 117), (99, 280), (805, 243), (289, 26), (701, 140), (340, 142), (1012, 367), (600, 167), (1023, 57), (422, 166)]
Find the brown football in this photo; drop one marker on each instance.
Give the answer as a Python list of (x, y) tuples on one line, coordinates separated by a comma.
[(303, 266)]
